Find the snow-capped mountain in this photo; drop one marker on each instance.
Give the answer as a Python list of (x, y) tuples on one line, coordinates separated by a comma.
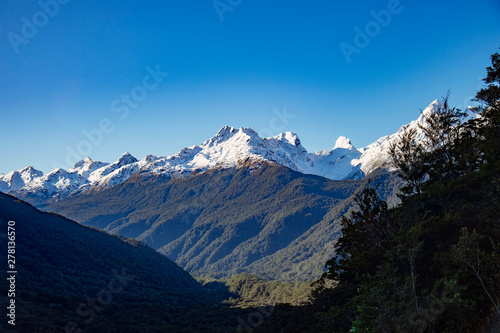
[(87, 166), (230, 147), (15, 180), (376, 155)]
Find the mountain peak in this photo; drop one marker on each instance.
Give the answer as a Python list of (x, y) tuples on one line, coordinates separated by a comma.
[(126, 158), (343, 142), (29, 173), (225, 131), (79, 164), (226, 127), (289, 137), (431, 109), (29, 168), (228, 147), (149, 158)]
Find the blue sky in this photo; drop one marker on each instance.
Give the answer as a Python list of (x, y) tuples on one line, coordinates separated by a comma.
[(73, 67)]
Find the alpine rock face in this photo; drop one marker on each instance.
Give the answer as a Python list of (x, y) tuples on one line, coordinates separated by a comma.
[(16, 180), (230, 147)]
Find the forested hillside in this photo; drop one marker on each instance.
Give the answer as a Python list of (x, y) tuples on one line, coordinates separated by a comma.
[(431, 264), (72, 277), (266, 220)]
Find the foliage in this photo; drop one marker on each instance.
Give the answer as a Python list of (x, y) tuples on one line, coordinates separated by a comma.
[(431, 263), (62, 265), (254, 291), (270, 221)]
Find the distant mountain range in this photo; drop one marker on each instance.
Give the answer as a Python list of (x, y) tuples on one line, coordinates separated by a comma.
[(229, 148), (236, 203), (264, 219)]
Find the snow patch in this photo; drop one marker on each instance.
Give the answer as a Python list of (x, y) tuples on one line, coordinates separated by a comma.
[(230, 147)]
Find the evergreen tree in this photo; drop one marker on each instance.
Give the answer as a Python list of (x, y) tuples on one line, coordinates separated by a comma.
[(432, 263)]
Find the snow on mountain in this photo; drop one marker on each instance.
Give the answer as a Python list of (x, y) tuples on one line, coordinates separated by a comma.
[(111, 174), (228, 148), (15, 180), (56, 183), (86, 166), (101, 173), (343, 142), (376, 155)]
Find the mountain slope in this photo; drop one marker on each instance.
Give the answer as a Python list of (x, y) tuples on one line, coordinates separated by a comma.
[(226, 149), (226, 221), (69, 273)]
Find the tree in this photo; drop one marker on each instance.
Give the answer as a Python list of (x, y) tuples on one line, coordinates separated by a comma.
[(484, 265), (358, 252), (434, 158), (488, 123), (406, 154), (416, 267)]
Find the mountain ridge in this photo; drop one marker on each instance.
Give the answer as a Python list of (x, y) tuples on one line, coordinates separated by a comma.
[(228, 148), (264, 219)]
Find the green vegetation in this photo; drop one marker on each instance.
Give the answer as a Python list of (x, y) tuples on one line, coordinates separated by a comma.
[(247, 290), (431, 264), (103, 283), (269, 221), (258, 292)]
